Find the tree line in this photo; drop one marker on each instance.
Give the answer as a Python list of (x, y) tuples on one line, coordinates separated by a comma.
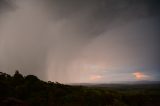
[(19, 90)]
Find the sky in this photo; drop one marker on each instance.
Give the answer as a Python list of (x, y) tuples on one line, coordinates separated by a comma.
[(81, 41)]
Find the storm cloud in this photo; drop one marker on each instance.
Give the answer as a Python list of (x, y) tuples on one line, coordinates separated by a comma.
[(71, 40)]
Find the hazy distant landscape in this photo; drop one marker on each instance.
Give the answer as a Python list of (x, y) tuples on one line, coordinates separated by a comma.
[(31, 91)]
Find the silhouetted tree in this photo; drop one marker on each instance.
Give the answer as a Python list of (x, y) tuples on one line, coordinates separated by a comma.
[(18, 78)]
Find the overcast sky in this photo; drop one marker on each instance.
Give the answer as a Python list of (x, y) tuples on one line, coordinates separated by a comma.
[(81, 40)]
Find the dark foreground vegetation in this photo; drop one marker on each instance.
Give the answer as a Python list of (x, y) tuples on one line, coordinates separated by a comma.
[(19, 90)]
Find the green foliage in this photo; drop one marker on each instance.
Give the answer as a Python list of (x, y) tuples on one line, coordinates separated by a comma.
[(31, 91)]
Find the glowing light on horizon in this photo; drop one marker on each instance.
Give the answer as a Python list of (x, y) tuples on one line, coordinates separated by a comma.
[(95, 77), (140, 75)]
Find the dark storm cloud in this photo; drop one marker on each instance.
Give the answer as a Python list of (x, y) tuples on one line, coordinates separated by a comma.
[(6, 5), (102, 15), (44, 37)]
